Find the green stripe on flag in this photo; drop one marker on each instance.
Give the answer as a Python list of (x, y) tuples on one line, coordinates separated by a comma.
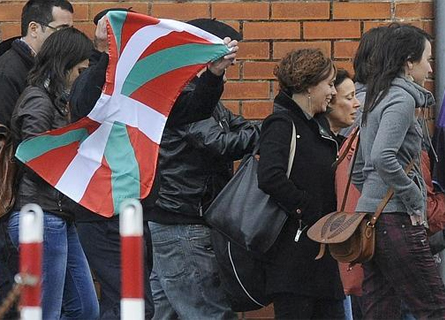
[(35, 147), (117, 20), (119, 153), (168, 60)]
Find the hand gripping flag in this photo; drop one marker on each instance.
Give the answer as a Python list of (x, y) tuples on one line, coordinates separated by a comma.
[(111, 154)]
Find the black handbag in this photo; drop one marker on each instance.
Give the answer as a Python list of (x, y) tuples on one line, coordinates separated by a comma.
[(244, 213)]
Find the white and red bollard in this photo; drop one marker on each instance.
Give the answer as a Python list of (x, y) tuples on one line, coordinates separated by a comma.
[(31, 250), (132, 264)]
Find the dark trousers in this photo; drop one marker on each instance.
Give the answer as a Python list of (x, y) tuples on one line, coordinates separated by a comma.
[(9, 267), (402, 269), (296, 306), (101, 243)]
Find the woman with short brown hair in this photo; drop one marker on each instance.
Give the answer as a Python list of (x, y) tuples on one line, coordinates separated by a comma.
[(301, 287)]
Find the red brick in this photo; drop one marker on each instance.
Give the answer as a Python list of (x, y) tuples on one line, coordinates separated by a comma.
[(10, 12), (240, 11), (95, 8), (375, 10), (256, 109), (233, 72), (331, 30), (247, 90), (232, 105), (181, 11), (264, 313), (281, 48), (253, 50), (345, 65), (88, 27), (258, 70), (234, 24), (275, 88), (9, 30), (271, 30), (428, 26), (80, 12), (301, 11), (345, 49), (429, 85), (373, 24), (414, 10)]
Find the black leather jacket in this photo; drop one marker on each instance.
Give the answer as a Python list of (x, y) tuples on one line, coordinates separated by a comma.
[(35, 113), (195, 163)]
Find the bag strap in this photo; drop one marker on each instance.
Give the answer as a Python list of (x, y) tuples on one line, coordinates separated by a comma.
[(292, 151), (353, 135), (388, 196), (354, 157)]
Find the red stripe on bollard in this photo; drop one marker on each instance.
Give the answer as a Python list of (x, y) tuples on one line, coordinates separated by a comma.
[(31, 264), (132, 267)]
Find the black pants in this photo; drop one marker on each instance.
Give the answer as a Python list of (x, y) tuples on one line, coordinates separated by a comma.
[(295, 306), (101, 243)]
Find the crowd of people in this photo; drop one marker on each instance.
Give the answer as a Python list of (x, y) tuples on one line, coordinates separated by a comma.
[(53, 75)]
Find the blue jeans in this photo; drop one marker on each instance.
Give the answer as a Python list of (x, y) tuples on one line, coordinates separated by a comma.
[(67, 286), (184, 280), (102, 244)]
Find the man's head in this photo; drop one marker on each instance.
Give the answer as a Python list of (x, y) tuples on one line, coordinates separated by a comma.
[(40, 18)]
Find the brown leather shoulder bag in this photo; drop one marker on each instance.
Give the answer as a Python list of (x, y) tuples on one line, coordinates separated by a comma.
[(350, 236)]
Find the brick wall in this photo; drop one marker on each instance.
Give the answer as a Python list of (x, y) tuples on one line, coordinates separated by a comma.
[(269, 28)]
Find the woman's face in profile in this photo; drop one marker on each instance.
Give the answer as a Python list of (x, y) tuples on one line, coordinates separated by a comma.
[(75, 71), (420, 70), (322, 93), (344, 105)]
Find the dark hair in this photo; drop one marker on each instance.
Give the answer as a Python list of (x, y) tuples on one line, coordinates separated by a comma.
[(302, 69), (399, 45), (341, 76), (368, 42), (62, 51), (41, 11)]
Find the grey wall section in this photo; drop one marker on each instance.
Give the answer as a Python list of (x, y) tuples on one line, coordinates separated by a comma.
[(439, 44)]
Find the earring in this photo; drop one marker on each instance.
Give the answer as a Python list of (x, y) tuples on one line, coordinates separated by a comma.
[(410, 77), (309, 102)]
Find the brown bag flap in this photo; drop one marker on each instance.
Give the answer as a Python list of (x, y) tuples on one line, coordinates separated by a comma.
[(335, 227)]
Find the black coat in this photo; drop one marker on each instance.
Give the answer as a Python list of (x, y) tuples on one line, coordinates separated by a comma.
[(14, 68), (195, 163), (292, 266)]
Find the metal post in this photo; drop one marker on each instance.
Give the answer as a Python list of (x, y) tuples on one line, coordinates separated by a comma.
[(132, 276), (31, 250)]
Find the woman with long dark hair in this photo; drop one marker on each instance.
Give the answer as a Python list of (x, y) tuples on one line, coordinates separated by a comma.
[(391, 137), (67, 287), (301, 287)]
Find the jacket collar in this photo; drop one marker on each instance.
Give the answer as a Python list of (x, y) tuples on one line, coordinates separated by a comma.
[(284, 103), (24, 51)]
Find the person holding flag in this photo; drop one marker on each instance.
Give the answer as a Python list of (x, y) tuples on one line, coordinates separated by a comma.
[(100, 235)]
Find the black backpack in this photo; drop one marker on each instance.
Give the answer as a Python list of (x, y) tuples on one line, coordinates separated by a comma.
[(242, 274)]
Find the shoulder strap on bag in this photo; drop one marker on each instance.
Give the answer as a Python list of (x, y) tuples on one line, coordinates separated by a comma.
[(388, 196), (293, 149)]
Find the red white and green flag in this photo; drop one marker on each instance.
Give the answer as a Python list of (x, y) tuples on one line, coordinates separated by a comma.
[(111, 154)]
